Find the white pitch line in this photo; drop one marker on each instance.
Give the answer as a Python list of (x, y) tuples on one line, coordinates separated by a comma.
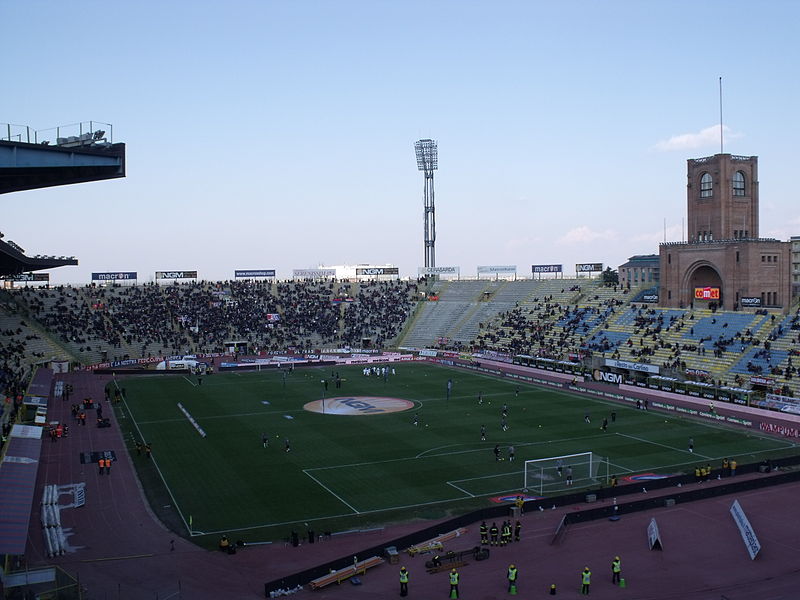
[(633, 437), (190, 381), (332, 493), (460, 489)]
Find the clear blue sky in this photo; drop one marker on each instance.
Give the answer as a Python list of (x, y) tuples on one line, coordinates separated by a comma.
[(280, 134)]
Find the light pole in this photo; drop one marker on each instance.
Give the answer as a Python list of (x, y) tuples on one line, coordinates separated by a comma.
[(428, 162)]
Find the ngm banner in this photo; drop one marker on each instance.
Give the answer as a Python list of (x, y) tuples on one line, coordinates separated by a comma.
[(377, 271), (313, 273), (588, 267), (255, 273), (438, 270), (176, 274), (119, 275), (546, 268), (497, 269), (29, 277)]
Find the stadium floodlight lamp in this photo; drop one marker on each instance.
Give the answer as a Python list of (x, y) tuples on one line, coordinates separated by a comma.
[(427, 155)]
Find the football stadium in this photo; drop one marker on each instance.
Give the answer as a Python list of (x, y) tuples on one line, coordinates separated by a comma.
[(259, 437), (245, 386)]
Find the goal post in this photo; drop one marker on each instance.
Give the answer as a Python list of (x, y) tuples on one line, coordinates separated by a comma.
[(557, 474)]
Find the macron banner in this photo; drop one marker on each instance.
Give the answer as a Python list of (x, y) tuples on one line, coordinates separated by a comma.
[(255, 273), (547, 268), (116, 276)]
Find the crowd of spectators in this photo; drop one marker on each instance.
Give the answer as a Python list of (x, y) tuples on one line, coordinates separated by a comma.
[(547, 328), (154, 320)]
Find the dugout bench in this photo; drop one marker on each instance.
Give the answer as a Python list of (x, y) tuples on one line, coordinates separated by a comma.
[(359, 568)]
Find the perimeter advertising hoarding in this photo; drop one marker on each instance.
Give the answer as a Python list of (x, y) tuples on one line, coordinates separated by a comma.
[(496, 269), (176, 274), (588, 267), (438, 270), (116, 276), (547, 268), (313, 273), (746, 530), (254, 273), (632, 366), (377, 271), (29, 277), (706, 293)]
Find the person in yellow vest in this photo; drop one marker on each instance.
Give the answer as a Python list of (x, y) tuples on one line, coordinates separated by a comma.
[(726, 467), (403, 581), (698, 476), (512, 577), (453, 583), (586, 579), (616, 570), (100, 464), (733, 467), (519, 503)]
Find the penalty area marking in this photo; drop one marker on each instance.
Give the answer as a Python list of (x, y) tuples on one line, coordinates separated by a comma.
[(192, 383), (638, 439), (332, 493)]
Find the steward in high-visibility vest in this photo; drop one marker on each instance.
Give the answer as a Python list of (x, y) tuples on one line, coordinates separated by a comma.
[(512, 576), (454, 583), (403, 581), (506, 535), (698, 474), (586, 579), (616, 569), (484, 534)]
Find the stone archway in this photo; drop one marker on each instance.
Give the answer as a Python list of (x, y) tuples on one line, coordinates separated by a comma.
[(705, 276)]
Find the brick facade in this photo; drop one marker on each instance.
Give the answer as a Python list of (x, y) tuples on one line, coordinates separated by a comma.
[(724, 250)]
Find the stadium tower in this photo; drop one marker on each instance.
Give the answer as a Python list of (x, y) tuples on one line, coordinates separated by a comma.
[(428, 162)]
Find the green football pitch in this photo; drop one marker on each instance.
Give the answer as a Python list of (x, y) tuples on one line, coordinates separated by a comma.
[(355, 471)]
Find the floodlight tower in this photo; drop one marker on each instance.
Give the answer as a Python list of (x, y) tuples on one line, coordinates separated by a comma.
[(428, 162)]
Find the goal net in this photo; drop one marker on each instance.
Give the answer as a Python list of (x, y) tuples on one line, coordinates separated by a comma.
[(557, 474)]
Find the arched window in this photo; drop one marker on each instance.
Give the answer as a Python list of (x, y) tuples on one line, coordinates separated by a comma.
[(738, 183), (706, 186)]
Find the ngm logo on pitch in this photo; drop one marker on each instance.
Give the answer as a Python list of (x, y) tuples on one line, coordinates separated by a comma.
[(358, 405)]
